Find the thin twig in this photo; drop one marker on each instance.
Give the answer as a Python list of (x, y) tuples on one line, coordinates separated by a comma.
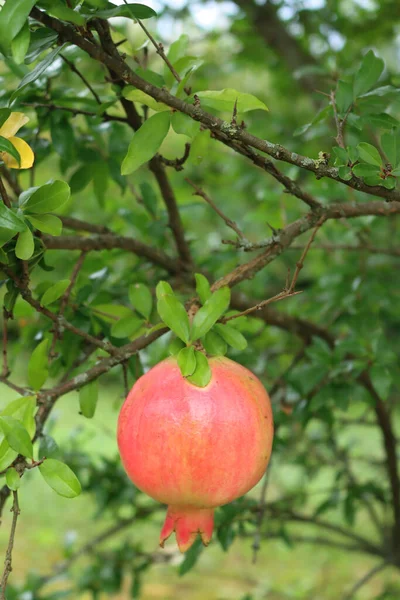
[(160, 50), (82, 77), (198, 191), (177, 163), (8, 559), (300, 263), (76, 111), (359, 584), (351, 248)]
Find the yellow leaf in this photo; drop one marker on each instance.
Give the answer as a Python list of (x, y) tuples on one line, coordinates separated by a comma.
[(14, 122), (25, 152)]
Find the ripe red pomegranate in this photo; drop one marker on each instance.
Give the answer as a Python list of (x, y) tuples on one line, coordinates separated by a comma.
[(195, 448)]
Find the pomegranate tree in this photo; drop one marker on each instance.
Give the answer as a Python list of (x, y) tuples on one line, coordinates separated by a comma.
[(195, 448)]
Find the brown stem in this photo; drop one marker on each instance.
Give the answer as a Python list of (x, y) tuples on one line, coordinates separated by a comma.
[(8, 559), (4, 195), (76, 111)]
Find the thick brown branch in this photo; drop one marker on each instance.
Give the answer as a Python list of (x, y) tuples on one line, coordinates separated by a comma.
[(109, 241), (221, 129)]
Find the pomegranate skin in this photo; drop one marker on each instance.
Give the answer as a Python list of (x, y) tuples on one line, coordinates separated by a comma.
[(195, 448)]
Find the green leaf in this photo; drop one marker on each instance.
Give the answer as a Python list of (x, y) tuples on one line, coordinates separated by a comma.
[(88, 396), (60, 478), (41, 39), (7, 146), (391, 146), (13, 480), (383, 120), (177, 50), (10, 220), (368, 74), (37, 71), (13, 17), (202, 288), (382, 380), (80, 179), (135, 95), (17, 436), (23, 409), (48, 197), (101, 179), (25, 245), (20, 44), (373, 180), (48, 447), (187, 361), (141, 299), (185, 125), (200, 147), (131, 11), (365, 170), (341, 155), (38, 365), (369, 154), (7, 455), (209, 314), (175, 347), (345, 173), (352, 153), (57, 9), (4, 114), (126, 326), (174, 315), (62, 136), (214, 344), (225, 100), (389, 183), (149, 198), (344, 96), (46, 223), (146, 142), (202, 374), (54, 292), (232, 336), (191, 557)]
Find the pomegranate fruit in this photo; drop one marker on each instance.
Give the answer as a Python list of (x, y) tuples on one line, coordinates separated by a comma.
[(195, 448)]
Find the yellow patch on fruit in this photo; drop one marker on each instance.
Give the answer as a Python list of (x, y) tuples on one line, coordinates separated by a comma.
[(8, 130)]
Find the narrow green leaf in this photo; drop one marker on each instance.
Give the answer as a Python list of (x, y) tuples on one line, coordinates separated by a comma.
[(232, 336), (13, 16), (209, 314), (202, 374), (163, 287), (131, 11), (47, 198), (25, 245), (4, 114), (80, 179), (17, 436), (54, 292), (60, 478), (46, 223), (41, 39), (13, 480), (202, 288), (214, 344), (187, 361), (57, 9), (368, 74), (88, 396), (7, 146), (225, 100), (174, 315), (38, 365), (141, 299), (127, 326), (369, 154), (146, 142), (36, 72)]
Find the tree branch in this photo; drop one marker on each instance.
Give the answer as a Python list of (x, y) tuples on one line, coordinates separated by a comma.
[(8, 559), (359, 584)]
